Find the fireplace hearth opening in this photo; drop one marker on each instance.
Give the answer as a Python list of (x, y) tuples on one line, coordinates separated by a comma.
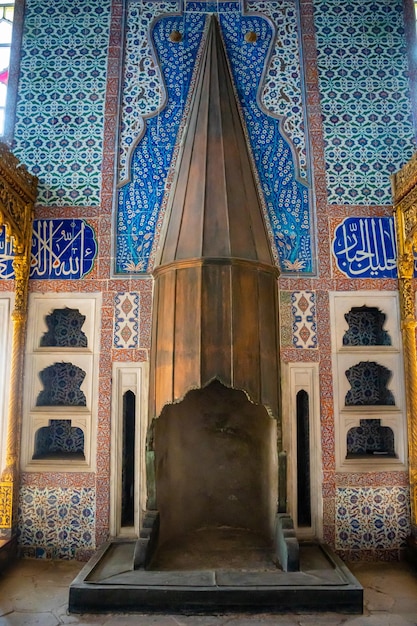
[(216, 480)]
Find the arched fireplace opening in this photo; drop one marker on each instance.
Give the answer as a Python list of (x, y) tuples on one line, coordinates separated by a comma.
[(216, 480)]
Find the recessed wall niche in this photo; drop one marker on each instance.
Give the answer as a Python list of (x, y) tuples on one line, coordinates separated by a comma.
[(60, 401), (59, 439), (369, 399)]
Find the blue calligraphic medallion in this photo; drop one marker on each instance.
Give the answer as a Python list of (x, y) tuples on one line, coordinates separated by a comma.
[(365, 247), (61, 250)]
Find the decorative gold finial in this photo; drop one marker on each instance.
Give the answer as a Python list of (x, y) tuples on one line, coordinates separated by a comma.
[(251, 36), (175, 36)]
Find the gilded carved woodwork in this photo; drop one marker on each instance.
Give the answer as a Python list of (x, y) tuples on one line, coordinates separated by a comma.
[(17, 199), (404, 185), (405, 180)]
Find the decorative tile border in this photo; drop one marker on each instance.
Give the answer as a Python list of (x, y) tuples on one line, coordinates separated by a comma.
[(285, 318), (126, 320), (304, 322)]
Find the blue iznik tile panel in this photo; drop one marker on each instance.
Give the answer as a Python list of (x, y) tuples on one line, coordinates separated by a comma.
[(60, 110), (281, 89), (56, 522), (365, 97), (369, 518), (275, 127), (143, 92), (286, 198), (139, 200)]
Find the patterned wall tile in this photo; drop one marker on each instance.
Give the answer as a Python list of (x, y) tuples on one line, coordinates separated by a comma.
[(304, 323), (372, 519), (282, 90), (274, 129), (60, 109), (55, 522), (141, 198), (126, 320), (363, 81), (143, 89)]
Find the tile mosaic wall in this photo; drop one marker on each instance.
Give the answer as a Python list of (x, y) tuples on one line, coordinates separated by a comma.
[(372, 518), (56, 522), (60, 109), (364, 89)]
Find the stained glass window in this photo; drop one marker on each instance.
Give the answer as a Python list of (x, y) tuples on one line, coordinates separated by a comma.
[(6, 27)]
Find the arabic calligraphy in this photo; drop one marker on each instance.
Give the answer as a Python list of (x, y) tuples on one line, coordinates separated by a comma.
[(61, 250), (365, 247)]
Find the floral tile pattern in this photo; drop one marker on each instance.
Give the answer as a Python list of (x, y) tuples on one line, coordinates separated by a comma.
[(126, 320), (56, 523), (282, 91), (140, 199), (143, 90), (60, 109), (151, 128), (304, 324), (372, 518), (362, 66)]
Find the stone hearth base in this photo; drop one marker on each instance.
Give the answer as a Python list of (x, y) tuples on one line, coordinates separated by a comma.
[(108, 583)]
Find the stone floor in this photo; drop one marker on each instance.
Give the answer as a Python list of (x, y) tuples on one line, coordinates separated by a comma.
[(35, 592)]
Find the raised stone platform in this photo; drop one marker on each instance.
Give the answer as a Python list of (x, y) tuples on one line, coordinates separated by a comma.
[(108, 583)]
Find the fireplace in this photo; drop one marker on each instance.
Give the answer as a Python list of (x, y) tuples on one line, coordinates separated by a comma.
[(214, 419), (215, 535), (216, 473)]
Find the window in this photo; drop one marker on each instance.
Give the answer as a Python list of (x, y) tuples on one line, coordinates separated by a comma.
[(6, 31), (369, 402), (11, 28), (61, 383)]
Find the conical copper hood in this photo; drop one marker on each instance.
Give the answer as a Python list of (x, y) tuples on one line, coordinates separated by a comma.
[(215, 300)]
